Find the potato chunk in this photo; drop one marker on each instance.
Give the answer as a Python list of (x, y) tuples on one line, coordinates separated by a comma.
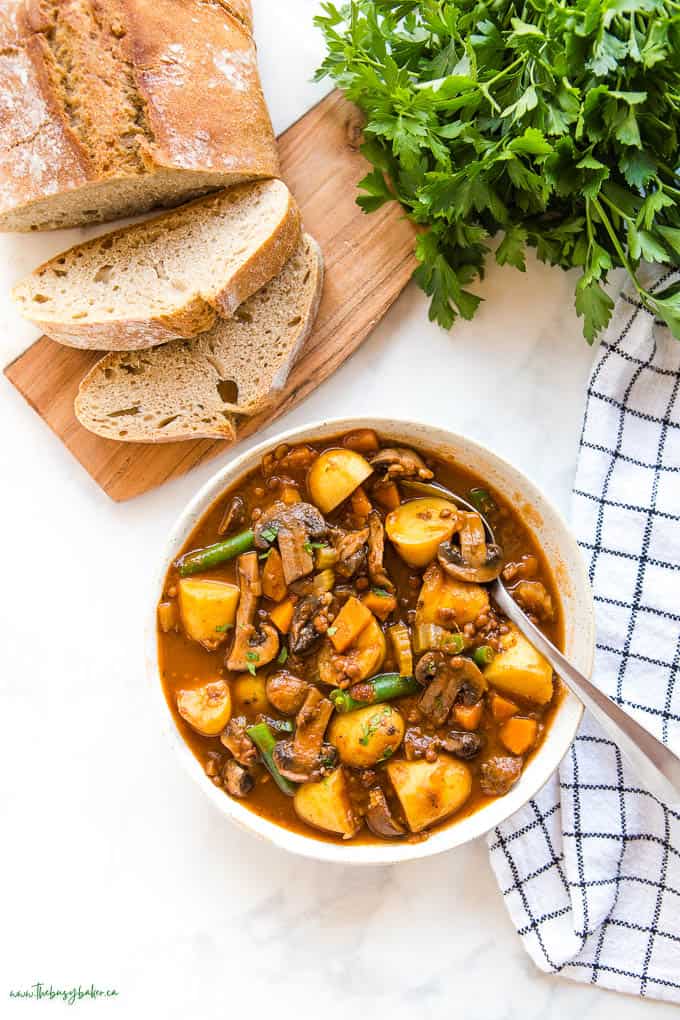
[(519, 669), (430, 791), (207, 709), (368, 735), (415, 529), (326, 805), (364, 657), (334, 476), (250, 694), (207, 609), (447, 602)]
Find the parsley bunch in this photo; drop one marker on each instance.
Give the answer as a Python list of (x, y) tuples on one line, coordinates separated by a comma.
[(550, 122)]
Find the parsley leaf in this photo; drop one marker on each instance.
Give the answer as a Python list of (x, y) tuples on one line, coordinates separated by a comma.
[(251, 659), (555, 130)]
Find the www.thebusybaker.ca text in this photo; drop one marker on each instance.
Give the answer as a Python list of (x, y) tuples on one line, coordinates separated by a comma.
[(69, 995)]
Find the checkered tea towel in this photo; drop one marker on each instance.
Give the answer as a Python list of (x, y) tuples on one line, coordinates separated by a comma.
[(590, 869)]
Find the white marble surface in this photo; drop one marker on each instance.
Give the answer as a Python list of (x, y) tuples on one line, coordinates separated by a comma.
[(112, 868)]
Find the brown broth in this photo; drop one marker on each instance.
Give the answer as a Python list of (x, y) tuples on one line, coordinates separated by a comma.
[(185, 664)]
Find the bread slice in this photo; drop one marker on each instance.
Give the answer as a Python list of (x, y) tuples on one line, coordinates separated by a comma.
[(195, 389), (113, 107), (168, 277)]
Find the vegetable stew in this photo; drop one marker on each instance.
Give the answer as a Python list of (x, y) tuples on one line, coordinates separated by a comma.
[(329, 649)]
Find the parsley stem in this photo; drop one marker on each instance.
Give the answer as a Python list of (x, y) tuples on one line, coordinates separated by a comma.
[(616, 243)]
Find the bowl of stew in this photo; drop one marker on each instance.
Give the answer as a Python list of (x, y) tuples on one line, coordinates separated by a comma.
[(331, 668)]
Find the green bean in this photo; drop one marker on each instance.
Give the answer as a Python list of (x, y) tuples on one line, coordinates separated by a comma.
[(212, 555), (384, 687), (483, 655), (482, 500), (263, 738), (278, 725)]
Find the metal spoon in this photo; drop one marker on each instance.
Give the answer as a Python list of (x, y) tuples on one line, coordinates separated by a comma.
[(657, 767)]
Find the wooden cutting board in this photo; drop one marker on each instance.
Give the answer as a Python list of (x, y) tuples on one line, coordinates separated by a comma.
[(369, 259)]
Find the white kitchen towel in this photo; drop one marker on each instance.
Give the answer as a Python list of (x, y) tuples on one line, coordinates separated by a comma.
[(590, 868)]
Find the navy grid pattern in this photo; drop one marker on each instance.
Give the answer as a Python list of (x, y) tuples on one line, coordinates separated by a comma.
[(590, 868)]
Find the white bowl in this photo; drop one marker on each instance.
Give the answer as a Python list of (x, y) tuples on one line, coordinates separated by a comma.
[(562, 553)]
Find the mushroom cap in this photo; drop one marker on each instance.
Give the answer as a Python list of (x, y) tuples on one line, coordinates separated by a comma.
[(379, 818), (401, 462), (450, 558), (297, 771)]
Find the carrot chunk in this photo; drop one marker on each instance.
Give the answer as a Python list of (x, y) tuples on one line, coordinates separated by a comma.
[(387, 495), (273, 581), (282, 615), (349, 623), (380, 605), (362, 441), (519, 734), (361, 504), (502, 708), (469, 716)]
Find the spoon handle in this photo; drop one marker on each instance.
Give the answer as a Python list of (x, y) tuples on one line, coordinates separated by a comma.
[(656, 766)]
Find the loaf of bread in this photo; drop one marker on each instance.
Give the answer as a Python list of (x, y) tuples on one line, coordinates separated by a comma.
[(193, 389), (170, 276), (113, 107)]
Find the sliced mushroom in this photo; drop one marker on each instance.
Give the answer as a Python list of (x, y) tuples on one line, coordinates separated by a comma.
[(306, 757), (447, 679), (376, 551), (473, 685), (286, 691), (443, 684), (400, 462), (351, 549), (473, 559), (233, 517), (251, 647), (238, 781), (307, 627), (461, 743), (236, 740), (499, 774), (293, 526), (379, 818)]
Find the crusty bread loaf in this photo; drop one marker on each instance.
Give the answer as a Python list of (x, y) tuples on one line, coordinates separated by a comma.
[(191, 389), (113, 107), (167, 277)]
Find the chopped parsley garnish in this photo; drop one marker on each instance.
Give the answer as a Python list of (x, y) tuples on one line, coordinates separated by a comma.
[(331, 631), (309, 546), (372, 725), (251, 659), (282, 656), (269, 533), (382, 593), (264, 555), (222, 627)]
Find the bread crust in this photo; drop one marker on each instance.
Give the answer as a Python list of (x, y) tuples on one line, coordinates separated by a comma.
[(198, 313), (183, 72)]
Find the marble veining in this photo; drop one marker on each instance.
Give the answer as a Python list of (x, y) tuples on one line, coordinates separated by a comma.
[(114, 869)]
